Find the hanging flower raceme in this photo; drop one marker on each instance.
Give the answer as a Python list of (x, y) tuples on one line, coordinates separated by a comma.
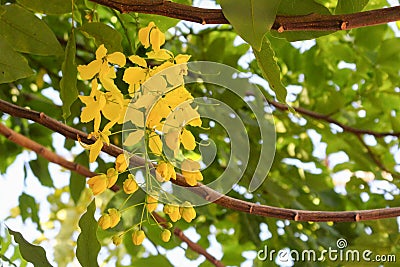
[(162, 112)]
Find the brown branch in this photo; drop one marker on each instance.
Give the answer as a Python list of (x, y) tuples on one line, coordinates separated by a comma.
[(311, 22), (329, 119), (204, 191), (24, 141)]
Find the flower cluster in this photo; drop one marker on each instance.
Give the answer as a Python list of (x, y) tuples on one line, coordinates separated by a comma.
[(159, 109)]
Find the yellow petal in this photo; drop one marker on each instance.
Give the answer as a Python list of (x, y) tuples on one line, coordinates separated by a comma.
[(144, 37), (188, 140), (138, 61), (98, 184), (130, 185), (135, 75), (188, 212), (182, 58), (95, 150), (87, 72), (190, 165), (101, 52), (117, 58), (157, 39), (172, 140), (121, 163), (104, 221), (151, 203), (134, 138), (138, 237), (115, 217), (155, 144), (113, 107), (161, 55), (165, 235), (112, 176)]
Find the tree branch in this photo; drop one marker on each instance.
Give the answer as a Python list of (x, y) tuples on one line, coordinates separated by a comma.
[(311, 22), (204, 191), (329, 119), (24, 141)]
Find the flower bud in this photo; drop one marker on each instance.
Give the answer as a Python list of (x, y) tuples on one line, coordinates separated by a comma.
[(138, 237), (130, 185), (115, 217), (117, 240), (112, 176), (105, 221), (121, 164), (172, 211), (151, 203), (187, 211), (165, 235), (98, 183)]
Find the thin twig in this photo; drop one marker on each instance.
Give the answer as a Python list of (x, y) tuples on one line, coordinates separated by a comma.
[(28, 143), (311, 22), (204, 191), (329, 119)]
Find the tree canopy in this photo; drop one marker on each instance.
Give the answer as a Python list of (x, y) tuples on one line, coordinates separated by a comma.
[(201, 133)]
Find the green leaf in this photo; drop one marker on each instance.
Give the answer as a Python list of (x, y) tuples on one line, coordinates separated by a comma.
[(77, 182), (103, 34), (27, 33), (158, 260), (31, 253), (88, 246), (40, 169), (346, 6), (29, 209), (13, 66), (251, 19), (68, 89), (48, 7), (270, 69)]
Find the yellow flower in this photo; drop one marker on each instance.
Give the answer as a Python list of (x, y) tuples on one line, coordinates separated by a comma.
[(135, 76), (95, 102), (166, 170), (191, 171), (117, 240), (100, 64), (121, 164), (115, 106), (165, 235), (98, 183), (115, 217), (138, 237), (187, 211), (101, 136), (151, 203), (172, 211), (151, 35), (105, 221), (130, 185)]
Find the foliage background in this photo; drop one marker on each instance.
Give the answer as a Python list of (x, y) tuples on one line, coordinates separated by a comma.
[(351, 77)]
